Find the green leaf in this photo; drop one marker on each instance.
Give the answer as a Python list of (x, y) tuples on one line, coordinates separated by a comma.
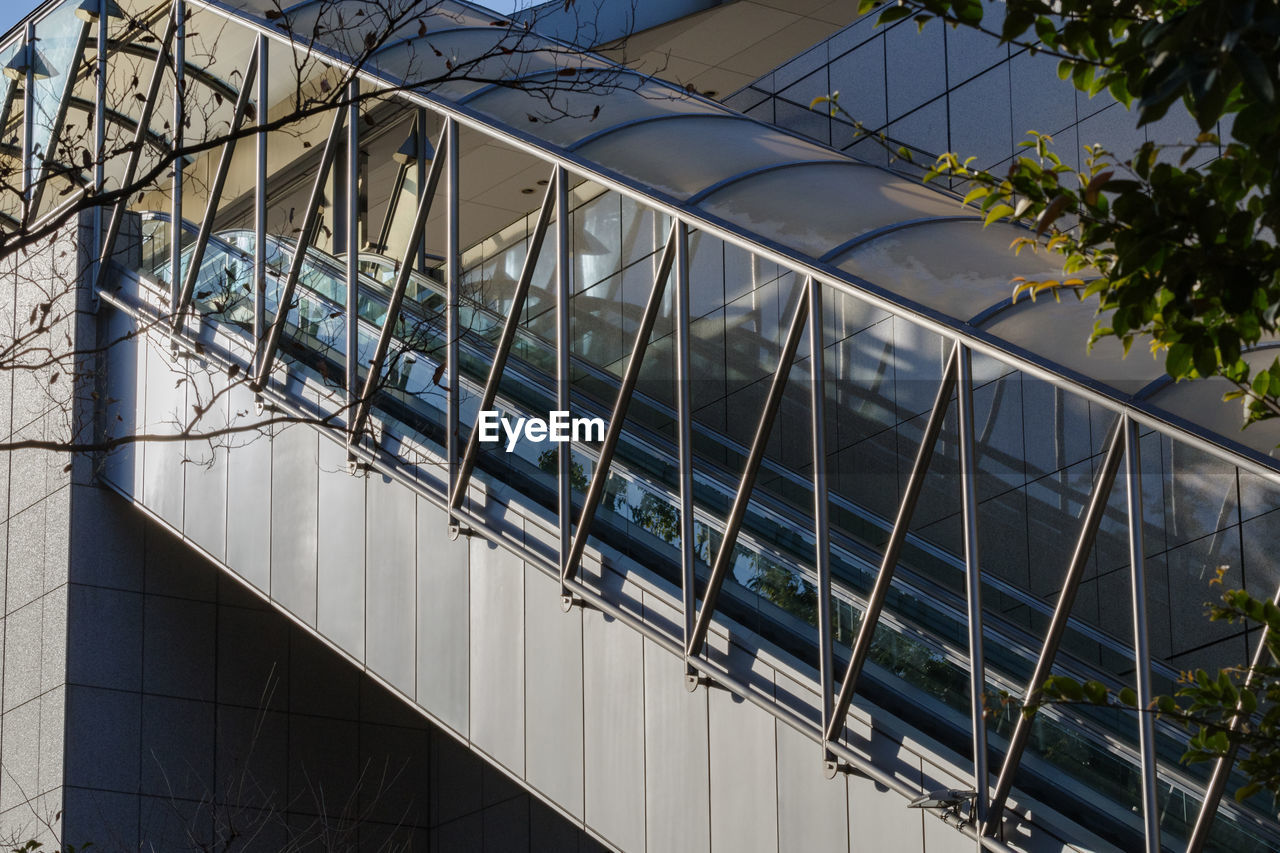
[(998, 212), (894, 13), (1178, 362), (1206, 361), (1254, 72), (1064, 687)]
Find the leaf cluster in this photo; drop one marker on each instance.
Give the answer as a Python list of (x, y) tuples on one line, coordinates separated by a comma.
[(1175, 239)]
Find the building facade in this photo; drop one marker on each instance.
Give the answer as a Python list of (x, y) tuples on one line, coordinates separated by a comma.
[(850, 498)]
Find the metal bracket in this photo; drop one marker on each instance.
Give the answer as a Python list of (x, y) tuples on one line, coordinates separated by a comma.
[(262, 406), (457, 528), (693, 679), (833, 767), (568, 601), (949, 804)]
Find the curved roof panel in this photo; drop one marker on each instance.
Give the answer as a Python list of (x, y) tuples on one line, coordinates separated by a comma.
[(889, 236), (949, 265), (1059, 330), (817, 207), (574, 114), (467, 59), (683, 154), (1200, 402)]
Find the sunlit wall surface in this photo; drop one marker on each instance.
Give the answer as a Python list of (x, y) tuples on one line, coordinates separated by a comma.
[(905, 280)]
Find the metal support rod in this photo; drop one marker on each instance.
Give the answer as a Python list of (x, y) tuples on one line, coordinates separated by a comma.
[(420, 177), (100, 127), (28, 117), (684, 439), (179, 107), (738, 512), (135, 152), (595, 490), (215, 195), (564, 454), (973, 584), (1142, 659), (821, 520), (260, 201), (310, 220), (1222, 767), (352, 194), (1058, 623), (363, 405), (453, 283), (898, 536), (56, 122), (509, 329)]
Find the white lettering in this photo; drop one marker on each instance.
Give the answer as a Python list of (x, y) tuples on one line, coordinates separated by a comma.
[(559, 426), (513, 433), (488, 424), (588, 429)]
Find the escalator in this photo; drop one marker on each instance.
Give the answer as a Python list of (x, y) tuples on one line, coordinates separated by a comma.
[(1082, 762)]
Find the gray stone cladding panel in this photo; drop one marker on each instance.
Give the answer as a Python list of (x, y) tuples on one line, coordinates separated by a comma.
[(340, 552), (613, 693), (553, 694), (391, 582), (294, 502), (677, 789), (811, 808), (249, 505), (165, 412), (443, 619), (743, 780), (206, 472), (497, 656)]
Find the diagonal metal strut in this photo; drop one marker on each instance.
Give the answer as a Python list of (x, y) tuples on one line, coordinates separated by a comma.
[(973, 584), (724, 557), (1058, 623), (1222, 767), (821, 508), (509, 329), (595, 491), (310, 221), (135, 151), (1141, 650), (215, 193), (889, 562), (361, 413)]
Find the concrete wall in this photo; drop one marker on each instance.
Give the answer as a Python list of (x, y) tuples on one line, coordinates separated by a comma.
[(40, 305)]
